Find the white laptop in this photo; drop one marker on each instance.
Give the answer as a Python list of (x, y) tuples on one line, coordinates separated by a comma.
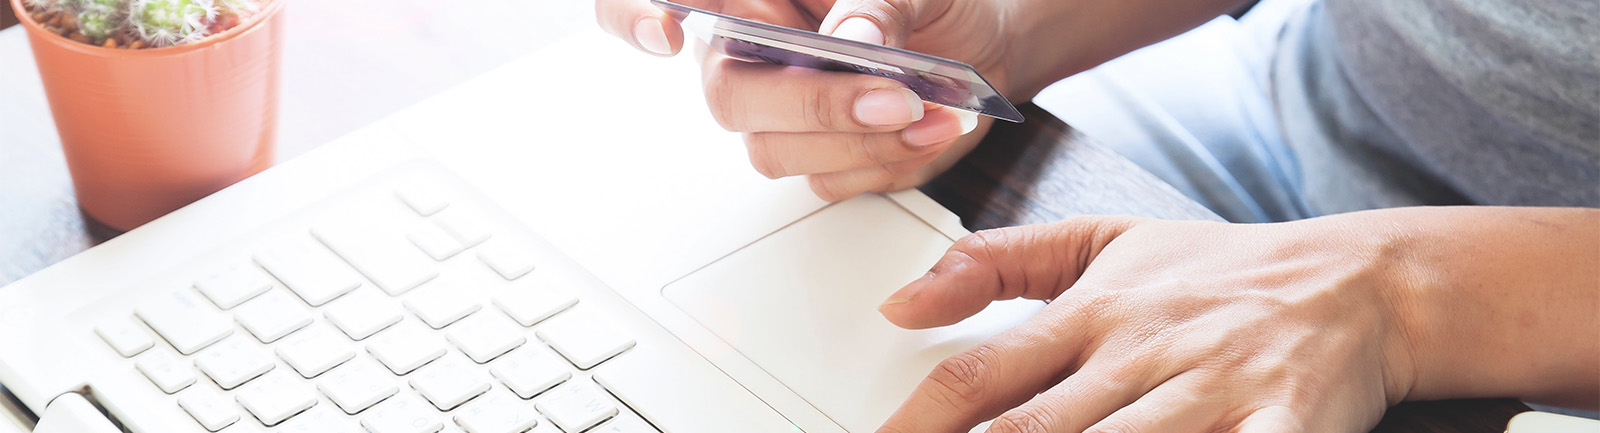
[(544, 248)]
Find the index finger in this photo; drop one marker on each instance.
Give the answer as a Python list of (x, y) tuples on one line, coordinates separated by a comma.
[(984, 381), (645, 26), (1032, 262)]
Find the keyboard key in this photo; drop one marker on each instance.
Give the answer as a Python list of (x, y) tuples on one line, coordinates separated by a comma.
[(626, 423), (507, 260), (320, 419), (496, 412), (530, 370), (406, 346), (530, 302), (441, 303), (210, 408), (450, 381), (125, 336), (233, 361), (250, 427), (483, 337), (314, 350), (185, 321), (309, 269), (232, 286), (402, 414), (357, 385), (435, 242), (577, 406), (424, 199), (385, 258), (363, 313), (545, 428), (166, 371), (583, 338), (276, 397), (465, 228), (272, 315)]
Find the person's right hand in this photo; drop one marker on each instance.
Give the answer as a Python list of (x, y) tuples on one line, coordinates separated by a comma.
[(849, 133)]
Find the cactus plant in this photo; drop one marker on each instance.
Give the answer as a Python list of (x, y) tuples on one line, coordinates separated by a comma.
[(140, 23), (101, 19), (171, 22)]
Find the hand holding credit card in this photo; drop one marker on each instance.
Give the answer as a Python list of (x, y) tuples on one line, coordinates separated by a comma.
[(853, 115), (937, 80)]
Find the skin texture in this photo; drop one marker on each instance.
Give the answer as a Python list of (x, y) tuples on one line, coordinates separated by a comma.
[(1162, 326), (1314, 325), (803, 122), (844, 156)]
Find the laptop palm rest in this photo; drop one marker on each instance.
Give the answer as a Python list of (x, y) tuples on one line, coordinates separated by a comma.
[(802, 305)]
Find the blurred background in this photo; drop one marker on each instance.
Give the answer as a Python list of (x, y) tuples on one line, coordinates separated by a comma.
[(374, 57)]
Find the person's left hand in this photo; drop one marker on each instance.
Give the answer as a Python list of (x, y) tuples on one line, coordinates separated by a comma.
[(1162, 326)]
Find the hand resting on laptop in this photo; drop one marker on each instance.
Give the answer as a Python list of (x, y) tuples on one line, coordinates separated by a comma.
[(1313, 325)]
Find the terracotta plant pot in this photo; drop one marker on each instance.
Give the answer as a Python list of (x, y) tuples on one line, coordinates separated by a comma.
[(148, 131)]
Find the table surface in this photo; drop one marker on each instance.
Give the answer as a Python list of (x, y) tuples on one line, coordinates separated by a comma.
[(350, 62)]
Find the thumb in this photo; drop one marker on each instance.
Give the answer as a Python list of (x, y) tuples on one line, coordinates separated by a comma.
[(1033, 262), (880, 22)]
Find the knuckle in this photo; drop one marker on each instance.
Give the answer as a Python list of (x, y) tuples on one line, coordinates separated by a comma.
[(819, 110), (863, 151), (977, 242), (719, 98), (962, 377), (1025, 419), (825, 189), (761, 156), (985, 245), (895, 170), (1116, 425), (894, 13)]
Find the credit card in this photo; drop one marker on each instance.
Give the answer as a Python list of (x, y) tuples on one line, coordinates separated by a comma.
[(938, 80)]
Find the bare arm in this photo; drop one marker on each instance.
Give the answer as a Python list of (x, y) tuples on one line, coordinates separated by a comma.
[(1312, 325), (1062, 38), (1503, 302)]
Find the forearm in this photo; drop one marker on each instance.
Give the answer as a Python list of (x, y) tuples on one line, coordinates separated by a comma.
[(1058, 38), (1500, 301)]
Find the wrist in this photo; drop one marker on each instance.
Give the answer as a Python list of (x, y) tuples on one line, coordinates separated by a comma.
[(1405, 290), (1077, 35), (1489, 302), (1034, 23)]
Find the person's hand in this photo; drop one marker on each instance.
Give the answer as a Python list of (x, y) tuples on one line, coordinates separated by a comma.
[(849, 133), (1159, 326)]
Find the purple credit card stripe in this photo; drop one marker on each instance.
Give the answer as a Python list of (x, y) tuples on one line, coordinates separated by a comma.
[(937, 80)]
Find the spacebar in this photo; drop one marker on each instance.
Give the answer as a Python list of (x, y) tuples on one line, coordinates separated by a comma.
[(672, 394)]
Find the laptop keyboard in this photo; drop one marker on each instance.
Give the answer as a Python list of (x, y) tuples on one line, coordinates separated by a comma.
[(416, 319)]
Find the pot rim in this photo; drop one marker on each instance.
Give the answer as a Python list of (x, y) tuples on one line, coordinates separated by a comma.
[(26, 19)]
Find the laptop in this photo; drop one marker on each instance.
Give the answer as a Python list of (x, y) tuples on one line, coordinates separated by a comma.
[(566, 244)]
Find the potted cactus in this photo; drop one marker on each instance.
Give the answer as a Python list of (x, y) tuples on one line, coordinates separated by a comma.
[(158, 102)]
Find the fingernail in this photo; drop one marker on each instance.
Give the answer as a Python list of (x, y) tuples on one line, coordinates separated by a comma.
[(884, 107), (860, 30), (907, 293), (893, 302), (651, 36), (931, 132), (969, 121)]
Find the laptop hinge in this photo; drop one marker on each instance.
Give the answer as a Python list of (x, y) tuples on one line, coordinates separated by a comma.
[(14, 416)]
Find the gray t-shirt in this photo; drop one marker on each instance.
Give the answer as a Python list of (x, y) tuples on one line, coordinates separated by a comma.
[(1410, 102)]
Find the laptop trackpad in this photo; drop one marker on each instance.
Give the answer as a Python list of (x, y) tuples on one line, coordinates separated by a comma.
[(802, 305)]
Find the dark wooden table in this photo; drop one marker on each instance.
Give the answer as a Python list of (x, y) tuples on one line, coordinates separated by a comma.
[(351, 62)]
